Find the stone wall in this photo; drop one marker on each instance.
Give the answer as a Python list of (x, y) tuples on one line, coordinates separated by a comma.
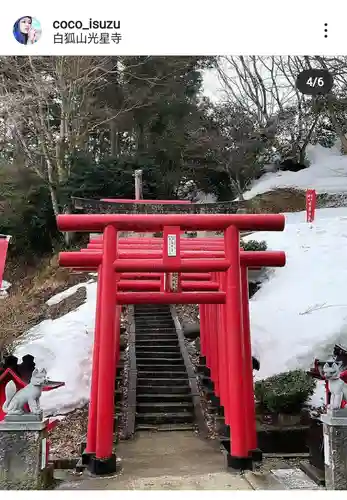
[(95, 206), (332, 200)]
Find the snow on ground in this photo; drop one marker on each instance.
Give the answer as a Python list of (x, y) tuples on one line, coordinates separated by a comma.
[(327, 173), (64, 347), (300, 312), (5, 285)]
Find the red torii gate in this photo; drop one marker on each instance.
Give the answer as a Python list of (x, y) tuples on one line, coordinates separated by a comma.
[(227, 349)]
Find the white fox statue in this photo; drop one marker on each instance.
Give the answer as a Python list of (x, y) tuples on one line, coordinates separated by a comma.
[(335, 375), (30, 394)]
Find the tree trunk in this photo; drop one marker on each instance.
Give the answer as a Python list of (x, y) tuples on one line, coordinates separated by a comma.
[(339, 131), (68, 236), (140, 139), (51, 186), (236, 184), (114, 139), (335, 123)]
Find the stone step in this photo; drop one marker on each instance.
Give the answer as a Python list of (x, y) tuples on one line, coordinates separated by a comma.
[(165, 427), (149, 353), (161, 390), (141, 331), (151, 307), (163, 398), (158, 342), (147, 314), (292, 479), (153, 317), (156, 335), (144, 374), (162, 381), (157, 357), (152, 313), (165, 407), (154, 325), (165, 418), (154, 320), (156, 361), (159, 369), (162, 347)]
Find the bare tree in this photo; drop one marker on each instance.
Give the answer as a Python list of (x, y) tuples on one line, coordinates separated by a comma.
[(265, 88), (51, 107), (231, 144), (255, 84)]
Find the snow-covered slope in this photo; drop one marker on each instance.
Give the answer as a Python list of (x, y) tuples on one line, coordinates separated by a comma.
[(300, 312), (327, 173), (64, 347)]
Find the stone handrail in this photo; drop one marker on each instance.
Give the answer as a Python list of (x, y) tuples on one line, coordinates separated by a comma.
[(95, 206)]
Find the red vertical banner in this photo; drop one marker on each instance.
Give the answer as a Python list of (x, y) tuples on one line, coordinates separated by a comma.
[(3, 253), (310, 204)]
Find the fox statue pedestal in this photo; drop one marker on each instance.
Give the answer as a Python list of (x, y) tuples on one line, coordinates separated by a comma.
[(333, 371), (23, 453), (335, 448)]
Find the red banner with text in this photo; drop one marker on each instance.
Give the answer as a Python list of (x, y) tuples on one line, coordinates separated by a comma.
[(310, 205)]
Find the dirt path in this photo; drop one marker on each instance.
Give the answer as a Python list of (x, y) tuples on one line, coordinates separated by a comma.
[(166, 461)]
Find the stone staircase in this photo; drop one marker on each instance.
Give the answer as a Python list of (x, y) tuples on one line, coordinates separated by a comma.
[(164, 400)]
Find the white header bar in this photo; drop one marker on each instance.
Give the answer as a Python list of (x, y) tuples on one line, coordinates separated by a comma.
[(180, 27)]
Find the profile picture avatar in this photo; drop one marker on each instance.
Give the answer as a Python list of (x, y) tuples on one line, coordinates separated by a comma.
[(27, 30)]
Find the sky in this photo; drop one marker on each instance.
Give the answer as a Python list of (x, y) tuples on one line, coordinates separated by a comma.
[(211, 85)]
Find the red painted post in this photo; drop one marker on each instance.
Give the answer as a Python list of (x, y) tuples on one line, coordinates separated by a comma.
[(234, 328), (118, 312), (93, 403), (250, 417), (207, 337), (216, 276), (215, 343), (225, 377), (107, 352), (202, 330), (211, 343)]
